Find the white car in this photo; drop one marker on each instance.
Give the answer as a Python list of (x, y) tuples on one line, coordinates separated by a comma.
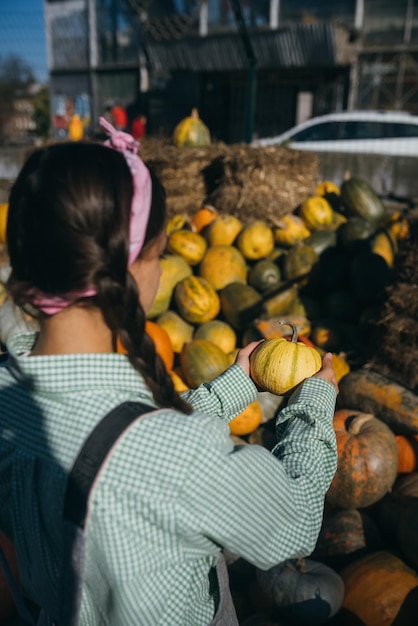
[(372, 132)]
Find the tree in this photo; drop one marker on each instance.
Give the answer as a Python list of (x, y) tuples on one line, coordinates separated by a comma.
[(15, 76), (41, 113)]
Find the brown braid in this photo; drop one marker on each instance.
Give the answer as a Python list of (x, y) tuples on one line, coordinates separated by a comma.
[(128, 322)]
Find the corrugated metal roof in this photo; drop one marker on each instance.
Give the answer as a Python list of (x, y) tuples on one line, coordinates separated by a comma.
[(303, 45)]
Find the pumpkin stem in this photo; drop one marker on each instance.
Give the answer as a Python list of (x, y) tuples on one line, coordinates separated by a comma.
[(294, 330), (194, 113), (357, 421)]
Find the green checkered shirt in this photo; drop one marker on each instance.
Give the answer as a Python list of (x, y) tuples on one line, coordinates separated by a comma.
[(173, 492)]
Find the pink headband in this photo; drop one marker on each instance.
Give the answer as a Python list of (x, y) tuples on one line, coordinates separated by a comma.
[(140, 210)]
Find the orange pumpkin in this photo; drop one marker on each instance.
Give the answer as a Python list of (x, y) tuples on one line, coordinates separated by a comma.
[(380, 590), (367, 460), (161, 341), (203, 217), (248, 420), (407, 453)]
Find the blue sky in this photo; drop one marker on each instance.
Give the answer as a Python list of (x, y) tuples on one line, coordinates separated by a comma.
[(22, 32)]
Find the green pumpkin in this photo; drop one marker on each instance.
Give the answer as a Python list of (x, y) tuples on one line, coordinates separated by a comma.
[(264, 275), (239, 304), (360, 200)]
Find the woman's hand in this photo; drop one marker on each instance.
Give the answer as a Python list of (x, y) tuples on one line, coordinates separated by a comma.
[(243, 356), (327, 371)]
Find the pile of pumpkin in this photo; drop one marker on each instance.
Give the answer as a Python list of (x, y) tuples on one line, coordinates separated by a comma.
[(323, 268)]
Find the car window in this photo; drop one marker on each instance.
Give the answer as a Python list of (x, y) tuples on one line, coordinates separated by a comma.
[(364, 130), (402, 130), (325, 131)]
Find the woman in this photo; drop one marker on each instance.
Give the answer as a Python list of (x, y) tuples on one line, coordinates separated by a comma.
[(86, 231)]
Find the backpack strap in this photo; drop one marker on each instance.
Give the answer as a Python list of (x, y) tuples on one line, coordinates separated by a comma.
[(92, 456), (85, 471)]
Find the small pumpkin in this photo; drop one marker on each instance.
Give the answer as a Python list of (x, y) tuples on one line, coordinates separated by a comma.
[(178, 382), (196, 300), (264, 275), (316, 212), (201, 361), (299, 261), (346, 531), (162, 343), (367, 460), (222, 265), (248, 420), (239, 304), (289, 230), (191, 246), (223, 230), (280, 303), (173, 269), (256, 240), (220, 333), (4, 210), (327, 186), (360, 200), (384, 245), (380, 590), (177, 222), (278, 365), (306, 591), (203, 217), (407, 453), (179, 331), (191, 132)]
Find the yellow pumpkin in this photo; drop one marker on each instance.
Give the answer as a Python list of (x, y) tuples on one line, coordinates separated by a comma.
[(289, 230), (191, 132), (278, 365), (223, 230), (4, 210), (179, 331), (191, 246), (222, 265), (196, 300), (177, 222), (173, 269), (220, 333), (327, 186), (248, 420), (384, 246), (317, 213), (178, 382), (256, 240)]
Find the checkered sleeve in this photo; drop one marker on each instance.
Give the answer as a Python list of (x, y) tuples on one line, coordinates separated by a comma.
[(226, 396), (268, 507)]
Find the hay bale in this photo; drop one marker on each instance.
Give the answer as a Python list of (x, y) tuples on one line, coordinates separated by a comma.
[(248, 182)]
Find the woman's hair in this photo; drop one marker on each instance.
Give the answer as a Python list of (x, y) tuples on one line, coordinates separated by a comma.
[(68, 230)]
